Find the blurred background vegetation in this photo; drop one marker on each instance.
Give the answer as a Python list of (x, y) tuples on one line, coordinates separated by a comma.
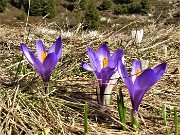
[(86, 11), (90, 13)]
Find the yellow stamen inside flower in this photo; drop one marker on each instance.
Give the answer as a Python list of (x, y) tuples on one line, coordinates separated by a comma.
[(43, 56), (105, 62), (138, 72)]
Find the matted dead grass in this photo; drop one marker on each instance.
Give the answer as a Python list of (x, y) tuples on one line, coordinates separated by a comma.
[(25, 109)]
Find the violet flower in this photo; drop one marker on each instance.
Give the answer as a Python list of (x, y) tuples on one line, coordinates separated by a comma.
[(104, 66), (46, 61), (140, 82), (115, 36)]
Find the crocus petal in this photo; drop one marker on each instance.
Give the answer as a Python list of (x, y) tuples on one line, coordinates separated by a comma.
[(125, 77), (136, 65), (94, 60), (115, 36), (106, 74), (49, 64), (123, 59), (103, 52), (159, 70), (145, 80), (113, 60), (109, 87), (133, 32), (57, 48), (141, 85), (86, 66), (36, 63), (26, 51), (141, 33), (40, 48), (103, 80), (32, 59), (140, 36), (112, 82)]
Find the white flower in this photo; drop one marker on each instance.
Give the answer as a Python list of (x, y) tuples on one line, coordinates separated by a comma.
[(43, 30), (67, 34), (103, 19), (109, 87), (93, 33), (109, 20), (164, 49), (145, 64), (137, 35), (51, 32)]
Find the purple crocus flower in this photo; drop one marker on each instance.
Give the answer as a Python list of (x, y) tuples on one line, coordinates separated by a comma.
[(46, 61), (104, 66), (141, 81), (115, 36)]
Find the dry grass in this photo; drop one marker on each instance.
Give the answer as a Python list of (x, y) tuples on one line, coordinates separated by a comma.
[(25, 109)]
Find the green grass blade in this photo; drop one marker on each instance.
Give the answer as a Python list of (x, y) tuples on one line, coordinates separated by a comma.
[(44, 132), (85, 118), (56, 132), (135, 122), (176, 121), (165, 120), (121, 109)]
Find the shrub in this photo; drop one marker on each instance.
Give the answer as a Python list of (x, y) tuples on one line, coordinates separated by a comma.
[(120, 8), (23, 14), (70, 6), (134, 8), (81, 8), (36, 8), (79, 15), (106, 5), (40, 7), (3, 4), (49, 8), (83, 5), (92, 18), (124, 1), (16, 3), (145, 6), (71, 0)]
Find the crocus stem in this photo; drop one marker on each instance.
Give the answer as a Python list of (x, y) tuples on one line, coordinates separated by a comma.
[(101, 94), (104, 99), (99, 97), (46, 88), (107, 99), (134, 119)]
